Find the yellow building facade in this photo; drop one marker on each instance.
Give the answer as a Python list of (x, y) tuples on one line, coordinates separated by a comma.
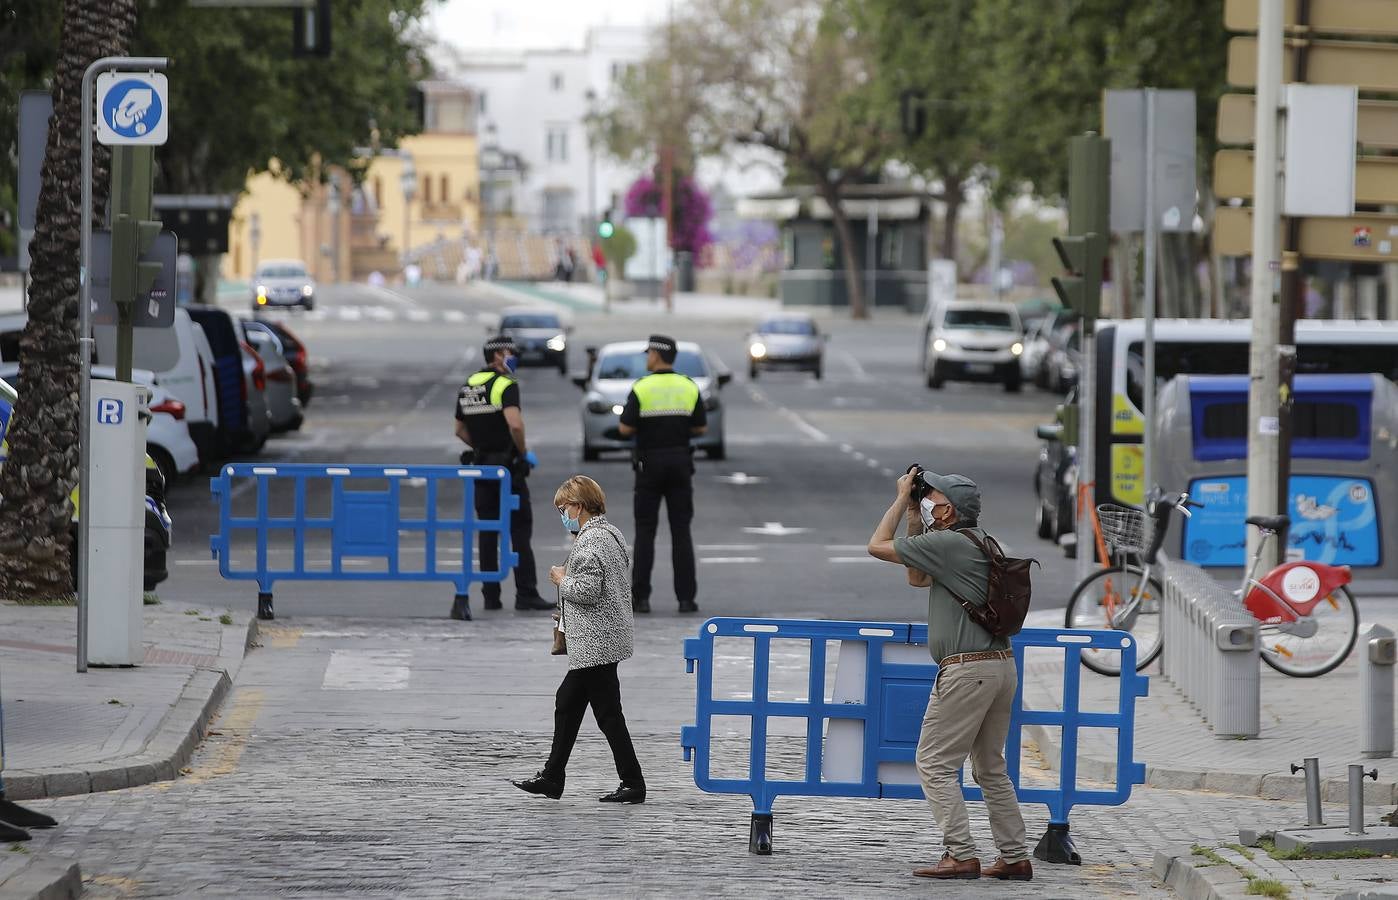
[(346, 227)]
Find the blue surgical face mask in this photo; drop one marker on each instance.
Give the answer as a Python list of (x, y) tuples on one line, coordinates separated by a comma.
[(511, 363), (571, 525)]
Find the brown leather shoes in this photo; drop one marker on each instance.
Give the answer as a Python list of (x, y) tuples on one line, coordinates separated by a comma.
[(951, 867), (1020, 871)]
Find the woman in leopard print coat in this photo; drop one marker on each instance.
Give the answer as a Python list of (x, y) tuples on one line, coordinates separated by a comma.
[(594, 589)]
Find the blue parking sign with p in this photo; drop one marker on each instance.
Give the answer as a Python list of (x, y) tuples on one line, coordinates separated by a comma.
[(131, 108), (109, 411)]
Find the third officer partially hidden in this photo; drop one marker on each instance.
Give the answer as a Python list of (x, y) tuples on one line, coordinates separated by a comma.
[(488, 419), (663, 411)]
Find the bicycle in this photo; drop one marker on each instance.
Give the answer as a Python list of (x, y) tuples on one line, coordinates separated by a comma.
[(1305, 608)]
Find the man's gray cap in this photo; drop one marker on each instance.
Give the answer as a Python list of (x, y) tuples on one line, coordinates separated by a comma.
[(960, 491)]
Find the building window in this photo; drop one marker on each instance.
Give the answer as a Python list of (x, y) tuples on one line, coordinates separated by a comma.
[(427, 190), (556, 143), (558, 209), (556, 81), (480, 103), (446, 193), (378, 192)]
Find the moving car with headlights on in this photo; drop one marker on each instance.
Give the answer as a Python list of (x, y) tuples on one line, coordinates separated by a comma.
[(618, 367), (283, 282), (974, 341), (786, 341), (540, 336)]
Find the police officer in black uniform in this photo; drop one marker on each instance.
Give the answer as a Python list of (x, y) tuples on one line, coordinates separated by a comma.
[(488, 419), (663, 411)]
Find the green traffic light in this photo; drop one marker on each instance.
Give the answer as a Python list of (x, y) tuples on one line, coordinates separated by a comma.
[(605, 229)]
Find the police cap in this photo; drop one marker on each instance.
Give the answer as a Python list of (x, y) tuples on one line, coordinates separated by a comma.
[(498, 343), (665, 346)]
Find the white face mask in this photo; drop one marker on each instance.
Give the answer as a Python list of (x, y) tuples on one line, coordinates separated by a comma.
[(928, 509)]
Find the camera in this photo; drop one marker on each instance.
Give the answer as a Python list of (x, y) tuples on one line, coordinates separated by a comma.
[(920, 486)]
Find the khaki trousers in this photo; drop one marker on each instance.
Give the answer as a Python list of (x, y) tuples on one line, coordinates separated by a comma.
[(969, 715)]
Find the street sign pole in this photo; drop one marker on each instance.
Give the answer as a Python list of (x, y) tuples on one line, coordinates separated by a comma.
[(105, 64), (1151, 237), (1263, 381)]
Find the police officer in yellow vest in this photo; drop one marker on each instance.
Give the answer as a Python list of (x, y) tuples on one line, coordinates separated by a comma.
[(488, 419), (663, 411)]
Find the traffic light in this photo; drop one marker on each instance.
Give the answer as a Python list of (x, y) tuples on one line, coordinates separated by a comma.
[(1081, 289), (605, 228), (310, 30), (134, 225)]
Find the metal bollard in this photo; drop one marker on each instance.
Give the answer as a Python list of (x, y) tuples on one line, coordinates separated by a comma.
[(1311, 766), (1356, 796), (1376, 692)]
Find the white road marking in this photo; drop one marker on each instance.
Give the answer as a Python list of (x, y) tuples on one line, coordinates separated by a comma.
[(454, 315), (775, 529), (843, 547), (419, 315), (849, 360), (367, 670), (350, 313), (711, 548), (853, 559), (730, 559), (391, 295)]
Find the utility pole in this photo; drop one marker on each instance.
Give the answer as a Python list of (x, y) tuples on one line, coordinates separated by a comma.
[(1263, 445), (134, 230)]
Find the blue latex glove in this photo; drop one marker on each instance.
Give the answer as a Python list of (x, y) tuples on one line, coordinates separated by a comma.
[(531, 459)]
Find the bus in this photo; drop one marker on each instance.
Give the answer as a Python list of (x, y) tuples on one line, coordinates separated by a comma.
[(1204, 347)]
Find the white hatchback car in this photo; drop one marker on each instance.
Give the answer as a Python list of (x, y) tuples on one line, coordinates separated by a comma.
[(974, 341)]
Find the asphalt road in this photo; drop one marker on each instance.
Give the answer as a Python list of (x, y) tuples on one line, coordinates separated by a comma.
[(780, 525)]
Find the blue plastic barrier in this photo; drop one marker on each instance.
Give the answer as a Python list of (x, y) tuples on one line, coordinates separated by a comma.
[(362, 524), (889, 714)]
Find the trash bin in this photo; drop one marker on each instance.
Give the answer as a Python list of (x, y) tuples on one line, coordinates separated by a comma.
[(684, 263)]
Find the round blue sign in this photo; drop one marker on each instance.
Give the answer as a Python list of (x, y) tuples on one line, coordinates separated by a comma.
[(132, 108)]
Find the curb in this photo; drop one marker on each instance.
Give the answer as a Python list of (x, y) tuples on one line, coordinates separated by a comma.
[(44, 879), (1273, 786), (168, 750), (1175, 867)]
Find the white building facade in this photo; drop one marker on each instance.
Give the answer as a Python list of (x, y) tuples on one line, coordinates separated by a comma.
[(533, 104)]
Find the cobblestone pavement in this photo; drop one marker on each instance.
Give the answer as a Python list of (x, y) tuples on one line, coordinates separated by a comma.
[(373, 758), (1230, 870)]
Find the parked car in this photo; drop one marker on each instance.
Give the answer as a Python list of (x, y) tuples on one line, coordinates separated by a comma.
[(1055, 476), (1064, 357), (787, 341), (183, 363), (158, 527), (974, 341), (282, 283), (540, 335), (283, 403), (1036, 346), (255, 387), (295, 353), (168, 442), (240, 427), (618, 367)]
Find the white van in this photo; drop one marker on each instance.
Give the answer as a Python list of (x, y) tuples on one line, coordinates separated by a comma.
[(183, 364)]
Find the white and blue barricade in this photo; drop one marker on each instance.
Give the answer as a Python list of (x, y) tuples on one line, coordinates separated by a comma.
[(861, 736), (306, 522)]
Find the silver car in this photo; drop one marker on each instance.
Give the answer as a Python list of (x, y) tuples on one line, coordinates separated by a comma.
[(787, 341), (283, 403), (540, 335), (282, 282), (618, 367)]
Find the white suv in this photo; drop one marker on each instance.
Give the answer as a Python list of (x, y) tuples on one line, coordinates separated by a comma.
[(974, 341)]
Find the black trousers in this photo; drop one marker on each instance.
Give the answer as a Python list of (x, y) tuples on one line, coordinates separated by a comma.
[(667, 476), (598, 687), (521, 531)]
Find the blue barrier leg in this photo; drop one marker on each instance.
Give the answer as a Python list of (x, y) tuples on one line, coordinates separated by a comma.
[(461, 607), (1056, 846), (264, 605), (760, 834)]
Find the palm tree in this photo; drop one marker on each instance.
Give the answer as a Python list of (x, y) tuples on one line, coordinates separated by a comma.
[(43, 461)]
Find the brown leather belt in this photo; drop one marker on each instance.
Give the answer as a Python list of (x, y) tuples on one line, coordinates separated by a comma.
[(976, 657)]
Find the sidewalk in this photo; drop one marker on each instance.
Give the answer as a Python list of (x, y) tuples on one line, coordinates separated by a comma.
[(68, 733)]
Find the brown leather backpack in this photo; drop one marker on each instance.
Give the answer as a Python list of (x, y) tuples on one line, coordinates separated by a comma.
[(1007, 590)]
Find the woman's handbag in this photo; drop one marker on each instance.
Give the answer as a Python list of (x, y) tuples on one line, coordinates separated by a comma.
[(560, 640)]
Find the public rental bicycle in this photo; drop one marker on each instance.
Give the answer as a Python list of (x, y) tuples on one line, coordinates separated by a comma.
[(1309, 620)]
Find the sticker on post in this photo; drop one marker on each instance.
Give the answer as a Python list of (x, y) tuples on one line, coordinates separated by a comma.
[(1268, 425), (109, 411), (132, 108)]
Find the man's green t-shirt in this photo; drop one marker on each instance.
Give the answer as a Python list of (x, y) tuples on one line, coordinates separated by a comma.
[(955, 564)]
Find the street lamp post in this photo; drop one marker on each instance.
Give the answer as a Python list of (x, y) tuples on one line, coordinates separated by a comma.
[(591, 97), (332, 206), (409, 186)]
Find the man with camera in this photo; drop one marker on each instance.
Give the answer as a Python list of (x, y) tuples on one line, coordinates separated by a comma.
[(969, 710), (489, 421)]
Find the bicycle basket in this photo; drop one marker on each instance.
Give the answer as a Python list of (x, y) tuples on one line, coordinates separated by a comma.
[(1123, 527)]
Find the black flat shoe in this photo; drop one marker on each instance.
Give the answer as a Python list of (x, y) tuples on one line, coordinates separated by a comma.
[(20, 817), (688, 606), (535, 602), (542, 785), (640, 606), (624, 794), (493, 603), (10, 833)]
